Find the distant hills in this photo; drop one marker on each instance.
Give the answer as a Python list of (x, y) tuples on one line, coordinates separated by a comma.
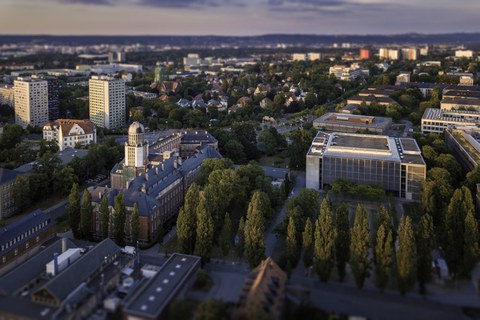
[(243, 41)]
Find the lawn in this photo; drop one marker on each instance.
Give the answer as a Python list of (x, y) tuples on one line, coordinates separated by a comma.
[(280, 160)]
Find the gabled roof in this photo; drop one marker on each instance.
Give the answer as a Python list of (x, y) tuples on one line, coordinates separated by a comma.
[(22, 225), (66, 125)]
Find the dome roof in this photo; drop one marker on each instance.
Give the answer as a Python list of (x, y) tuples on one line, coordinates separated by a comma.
[(136, 128)]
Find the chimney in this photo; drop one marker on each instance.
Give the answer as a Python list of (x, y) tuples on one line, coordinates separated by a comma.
[(64, 245), (55, 264)]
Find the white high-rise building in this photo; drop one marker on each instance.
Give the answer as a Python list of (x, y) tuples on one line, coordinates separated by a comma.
[(107, 102), (31, 101)]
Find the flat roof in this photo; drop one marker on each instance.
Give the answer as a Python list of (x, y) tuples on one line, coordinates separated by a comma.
[(360, 142), (158, 292), (462, 101), (353, 120), (462, 116)]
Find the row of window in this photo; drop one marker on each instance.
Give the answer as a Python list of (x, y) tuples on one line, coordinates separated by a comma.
[(24, 235)]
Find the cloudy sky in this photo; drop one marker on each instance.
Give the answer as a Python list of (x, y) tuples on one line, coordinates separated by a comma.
[(237, 17)]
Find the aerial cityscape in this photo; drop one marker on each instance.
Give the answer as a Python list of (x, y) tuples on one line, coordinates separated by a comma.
[(247, 160)]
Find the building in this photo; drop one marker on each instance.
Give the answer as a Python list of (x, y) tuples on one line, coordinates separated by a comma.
[(410, 54), (156, 182), (73, 291), (437, 120), (391, 54), (176, 276), (464, 54), (365, 54), (31, 102), (466, 80), (312, 56), (7, 187), (299, 57), (68, 133), (369, 99), (395, 164), (341, 122), (265, 285), (348, 73), (7, 95), (465, 147), (53, 96), (403, 77), (23, 236), (464, 103), (107, 102)]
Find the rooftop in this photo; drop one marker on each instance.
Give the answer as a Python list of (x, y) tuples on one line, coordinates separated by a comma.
[(459, 116), (22, 225), (462, 101), (360, 121)]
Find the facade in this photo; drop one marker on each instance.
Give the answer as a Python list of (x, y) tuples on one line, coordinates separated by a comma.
[(67, 133), (22, 236), (265, 285), (7, 186), (176, 276), (31, 102), (437, 120), (410, 53), (7, 95), (107, 102), (365, 54), (348, 73), (403, 77), (53, 96), (464, 54), (391, 54), (464, 146), (341, 122), (395, 164), (460, 103)]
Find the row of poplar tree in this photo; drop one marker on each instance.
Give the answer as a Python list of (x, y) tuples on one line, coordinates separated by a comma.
[(402, 253)]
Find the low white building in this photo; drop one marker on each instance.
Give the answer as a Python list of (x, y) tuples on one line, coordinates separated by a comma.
[(67, 133)]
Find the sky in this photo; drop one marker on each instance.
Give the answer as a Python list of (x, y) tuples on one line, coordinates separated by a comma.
[(237, 17)]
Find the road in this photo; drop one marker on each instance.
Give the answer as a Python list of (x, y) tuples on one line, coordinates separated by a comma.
[(270, 237)]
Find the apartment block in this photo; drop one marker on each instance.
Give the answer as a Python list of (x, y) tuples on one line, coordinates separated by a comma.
[(31, 102), (107, 102)]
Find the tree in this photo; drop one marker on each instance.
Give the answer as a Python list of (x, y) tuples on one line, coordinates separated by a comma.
[(186, 221), (325, 236), (205, 230), (73, 209), (21, 193), (226, 235), (307, 242), (240, 238), (267, 142), (119, 219), (291, 244), (425, 246), (104, 212), (384, 255), (470, 244), (342, 246), (63, 179), (254, 230), (297, 149), (11, 136), (135, 224), (406, 256), (234, 150), (86, 212), (359, 247), (211, 310)]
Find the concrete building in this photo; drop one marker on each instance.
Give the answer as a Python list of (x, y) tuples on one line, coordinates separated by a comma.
[(391, 54), (107, 102), (299, 57), (351, 73), (341, 122), (265, 286), (395, 164), (7, 95), (53, 95), (467, 103), (464, 54), (176, 276), (365, 54), (437, 120), (465, 146), (312, 56), (23, 236), (31, 102), (410, 53), (7, 187), (67, 133)]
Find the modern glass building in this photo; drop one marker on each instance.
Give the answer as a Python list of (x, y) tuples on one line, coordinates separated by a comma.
[(395, 164)]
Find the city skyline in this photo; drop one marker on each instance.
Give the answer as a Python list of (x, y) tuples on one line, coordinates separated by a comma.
[(234, 17)]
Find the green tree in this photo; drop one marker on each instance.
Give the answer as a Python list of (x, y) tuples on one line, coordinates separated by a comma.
[(342, 246), (63, 179), (254, 230), (135, 224), (104, 216), (307, 237), (406, 256), (240, 238), (325, 237), (470, 244), (205, 230), (86, 212), (226, 235), (291, 244), (119, 219), (297, 149), (359, 247), (425, 245), (384, 255), (21, 193), (267, 142), (73, 209), (186, 221), (211, 310)]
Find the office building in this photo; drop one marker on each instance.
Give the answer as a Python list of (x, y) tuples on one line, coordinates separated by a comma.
[(7, 187), (341, 122), (176, 276), (437, 120), (465, 146), (31, 102), (107, 102), (394, 164), (68, 133), (7, 95)]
